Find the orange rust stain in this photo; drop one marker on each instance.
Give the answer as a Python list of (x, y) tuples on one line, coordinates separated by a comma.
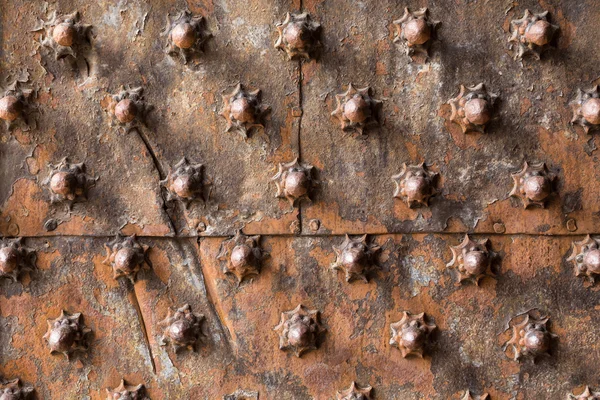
[(525, 105), (161, 264)]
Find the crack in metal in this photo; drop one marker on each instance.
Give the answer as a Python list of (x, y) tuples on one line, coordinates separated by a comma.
[(136, 304)]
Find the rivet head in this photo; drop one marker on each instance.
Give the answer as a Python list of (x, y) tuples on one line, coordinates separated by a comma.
[(242, 256), (183, 35), (67, 334), (586, 109), (185, 182), (127, 392), (472, 108), (416, 30), (585, 255), (182, 328), (411, 334), (533, 184), (15, 390), (355, 392), (299, 330), (15, 259), (125, 111), (356, 109), (68, 182), (415, 185), (355, 258), (126, 257), (293, 181), (531, 337), (10, 108), (587, 394), (243, 110), (64, 34), (531, 34), (298, 36)]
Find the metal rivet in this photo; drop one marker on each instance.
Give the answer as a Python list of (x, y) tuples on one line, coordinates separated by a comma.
[(15, 390), (411, 334), (531, 34), (243, 256), (125, 391), (533, 185), (182, 328), (355, 392), (355, 257), (15, 259), (314, 225), (472, 108), (469, 396), (185, 182), (293, 181), (67, 334), (415, 185), (472, 260), (499, 227), (298, 36), (585, 255), (416, 30), (243, 110), (16, 108), (571, 225), (586, 109), (587, 394), (356, 109), (68, 182), (187, 35), (130, 107), (65, 35), (531, 338), (126, 257), (299, 330)]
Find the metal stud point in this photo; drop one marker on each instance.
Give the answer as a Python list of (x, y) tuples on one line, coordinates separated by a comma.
[(416, 30), (472, 260), (65, 35), (533, 184), (472, 108), (293, 181), (298, 36), (243, 110), (355, 392), (356, 110), (585, 255), (185, 182), (415, 185), (411, 334), (67, 334), (530, 337), (586, 109), (126, 257), (129, 107), (186, 36), (299, 330), (355, 257), (182, 329), (532, 34), (68, 182), (15, 259), (586, 394), (15, 390), (127, 392), (242, 256)]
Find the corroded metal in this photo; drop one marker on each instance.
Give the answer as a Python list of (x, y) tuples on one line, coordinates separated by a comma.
[(356, 109), (182, 328), (294, 181), (242, 395), (242, 256), (185, 182), (16, 105), (68, 182), (411, 334), (472, 108), (299, 330), (67, 334), (586, 394), (530, 338), (416, 185), (186, 35), (469, 396), (15, 259), (298, 36), (472, 260), (126, 257), (585, 255), (15, 390), (65, 35), (416, 30), (243, 110), (586, 109), (533, 185), (355, 258), (129, 107), (126, 391), (531, 34), (355, 392)]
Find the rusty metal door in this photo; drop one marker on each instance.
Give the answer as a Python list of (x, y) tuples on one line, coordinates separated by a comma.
[(299, 199)]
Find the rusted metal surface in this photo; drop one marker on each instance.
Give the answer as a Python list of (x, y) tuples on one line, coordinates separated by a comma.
[(299, 199)]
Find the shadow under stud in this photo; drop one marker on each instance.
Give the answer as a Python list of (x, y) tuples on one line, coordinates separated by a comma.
[(298, 36), (416, 185), (532, 34), (356, 110), (415, 31)]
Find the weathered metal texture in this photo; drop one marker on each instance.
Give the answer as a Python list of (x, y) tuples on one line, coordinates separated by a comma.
[(181, 119), (530, 120)]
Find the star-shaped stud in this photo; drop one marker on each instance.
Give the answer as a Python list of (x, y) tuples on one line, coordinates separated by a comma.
[(530, 339), (68, 182), (415, 185), (298, 36), (243, 110), (299, 330), (585, 255), (67, 334), (472, 260), (185, 182), (356, 110), (416, 30), (243, 256), (65, 35), (532, 34), (15, 390), (587, 394), (354, 392), (355, 258), (472, 108), (15, 259), (16, 105), (127, 392), (186, 35), (533, 184), (586, 109), (126, 257), (128, 108), (182, 328), (411, 333), (293, 181)]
